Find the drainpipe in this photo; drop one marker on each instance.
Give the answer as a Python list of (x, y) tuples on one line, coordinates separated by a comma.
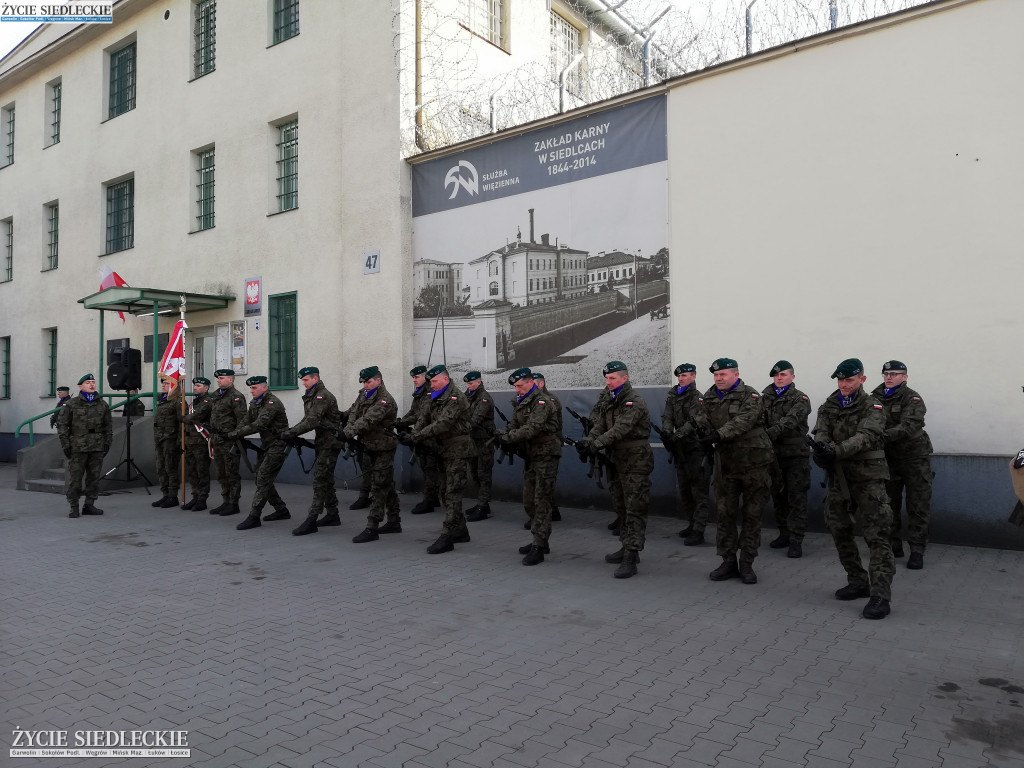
[(561, 81), (833, 13), (749, 25), (647, 44)]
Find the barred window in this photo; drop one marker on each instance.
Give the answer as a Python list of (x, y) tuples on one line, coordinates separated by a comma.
[(122, 80), (286, 19), (7, 233), (205, 197), (5, 367), (284, 340), (565, 46), (484, 18), (121, 216), (205, 31), (51, 363), (55, 95), (52, 233), (288, 166), (7, 117)]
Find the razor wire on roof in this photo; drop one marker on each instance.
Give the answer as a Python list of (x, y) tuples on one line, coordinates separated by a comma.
[(451, 96)]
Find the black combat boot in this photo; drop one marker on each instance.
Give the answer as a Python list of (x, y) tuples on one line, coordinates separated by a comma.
[(220, 507), (781, 541), (877, 608), (534, 555), (897, 547), (796, 549), (616, 557), (362, 502), (686, 531), (91, 509), (252, 521), (230, 509), (280, 514), (526, 548), (460, 535), (74, 510), (200, 504), (693, 539), (306, 526), (425, 506), (479, 512), (169, 501), (853, 591), (444, 543), (727, 570), (391, 526), (628, 566), (747, 575), (331, 517), (527, 525), (367, 534), (556, 514), (161, 502), (916, 561), (190, 504)]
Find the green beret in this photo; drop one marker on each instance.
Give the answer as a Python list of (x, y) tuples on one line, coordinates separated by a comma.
[(848, 368), (894, 366), (615, 366), (369, 373), (63, 389), (201, 380), (436, 370), (309, 370), (419, 370), (723, 364), (87, 377), (779, 367), (537, 375), (471, 376), (685, 368), (252, 380), (519, 373), (224, 372)]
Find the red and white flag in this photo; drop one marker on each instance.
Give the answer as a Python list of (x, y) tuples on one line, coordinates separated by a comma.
[(172, 366), (110, 279)]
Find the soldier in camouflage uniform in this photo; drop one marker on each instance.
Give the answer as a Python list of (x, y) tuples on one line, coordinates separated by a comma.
[(538, 379), (534, 425), (443, 428), (85, 431), (786, 409), (692, 476), (267, 416), (732, 415), (167, 436), (63, 395), (429, 463), (622, 425), (371, 421), (481, 463), (197, 444), (848, 445), (908, 451), (227, 412), (320, 413)]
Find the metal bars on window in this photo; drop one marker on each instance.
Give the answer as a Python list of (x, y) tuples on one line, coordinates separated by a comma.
[(55, 94), (205, 190), (121, 216), (52, 233), (284, 339), (122, 80), (483, 17), (5, 367), (8, 235), (8, 118), (51, 367), (288, 166), (565, 45), (286, 19), (205, 31)]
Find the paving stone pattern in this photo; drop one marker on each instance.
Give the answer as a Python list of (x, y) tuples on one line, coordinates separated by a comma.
[(274, 650)]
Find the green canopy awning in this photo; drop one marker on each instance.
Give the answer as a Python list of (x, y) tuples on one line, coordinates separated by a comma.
[(137, 301)]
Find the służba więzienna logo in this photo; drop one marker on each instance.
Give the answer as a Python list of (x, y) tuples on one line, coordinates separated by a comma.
[(455, 179)]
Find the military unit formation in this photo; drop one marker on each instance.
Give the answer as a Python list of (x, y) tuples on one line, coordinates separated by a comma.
[(751, 444)]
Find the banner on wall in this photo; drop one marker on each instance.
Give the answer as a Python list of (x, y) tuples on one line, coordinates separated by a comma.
[(549, 250)]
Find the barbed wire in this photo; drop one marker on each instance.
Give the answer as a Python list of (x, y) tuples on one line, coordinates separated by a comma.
[(458, 98)]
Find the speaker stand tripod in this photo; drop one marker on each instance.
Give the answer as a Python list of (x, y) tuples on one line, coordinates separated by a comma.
[(128, 462)]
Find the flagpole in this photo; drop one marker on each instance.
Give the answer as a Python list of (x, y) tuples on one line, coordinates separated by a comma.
[(181, 383)]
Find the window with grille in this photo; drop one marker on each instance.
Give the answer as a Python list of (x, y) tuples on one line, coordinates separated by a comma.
[(122, 80), (485, 18), (565, 46), (55, 94), (284, 340), (288, 166), (205, 32), (51, 363), (120, 216), (52, 235), (5, 367), (7, 232), (7, 116), (205, 197), (286, 19)]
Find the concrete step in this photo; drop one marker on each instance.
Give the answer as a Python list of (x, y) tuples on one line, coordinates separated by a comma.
[(54, 474), (42, 485)]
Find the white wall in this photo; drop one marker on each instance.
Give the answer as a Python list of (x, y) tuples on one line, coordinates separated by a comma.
[(862, 199)]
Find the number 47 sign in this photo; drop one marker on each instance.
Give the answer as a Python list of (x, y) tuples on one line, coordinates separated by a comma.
[(371, 262)]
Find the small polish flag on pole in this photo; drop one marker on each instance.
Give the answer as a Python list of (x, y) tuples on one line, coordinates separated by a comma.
[(173, 364), (110, 279)]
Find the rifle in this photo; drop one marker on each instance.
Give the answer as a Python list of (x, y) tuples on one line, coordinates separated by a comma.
[(351, 446), (298, 443), (586, 423), (834, 474), (599, 464), (510, 451), (667, 439), (241, 446), (595, 462)]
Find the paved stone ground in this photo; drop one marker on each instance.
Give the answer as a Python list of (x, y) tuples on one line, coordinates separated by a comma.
[(274, 650)]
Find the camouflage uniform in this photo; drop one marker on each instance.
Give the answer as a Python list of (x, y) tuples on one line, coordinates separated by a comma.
[(445, 421), (535, 422), (429, 463), (60, 404), (622, 424), (742, 458), (372, 420), (167, 436), (197, 447), (226, 413), (786, 423), (857, 482), (692, 474), (319, 406), (481, 420), (267, 416), (85, 429), (908, 451)]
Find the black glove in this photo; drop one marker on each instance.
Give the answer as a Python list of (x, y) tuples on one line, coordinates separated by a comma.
[(774, 432), (711, 438), (67, 452), (502, 438), (349, 433), (286, 437), (415, 437), (585, 447), (824, 455)]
